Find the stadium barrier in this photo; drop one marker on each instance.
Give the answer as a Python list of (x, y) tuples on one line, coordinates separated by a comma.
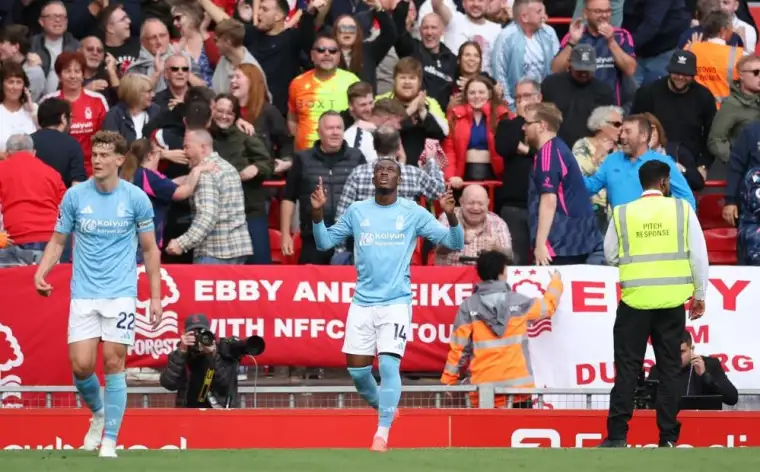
[(173, 429)]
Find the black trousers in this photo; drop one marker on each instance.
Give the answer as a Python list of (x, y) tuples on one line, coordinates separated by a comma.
[(632, 329)]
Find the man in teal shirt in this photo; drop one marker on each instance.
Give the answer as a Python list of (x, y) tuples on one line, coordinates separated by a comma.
[(619, 173)]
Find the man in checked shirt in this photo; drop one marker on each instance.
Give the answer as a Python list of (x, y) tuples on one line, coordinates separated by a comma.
[(219, 232), (413, 183)]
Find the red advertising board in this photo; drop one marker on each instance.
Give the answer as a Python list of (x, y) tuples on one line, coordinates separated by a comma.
[(415, 428)]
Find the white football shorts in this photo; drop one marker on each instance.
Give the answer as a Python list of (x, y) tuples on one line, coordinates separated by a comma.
[(372, 330), (110, 319)]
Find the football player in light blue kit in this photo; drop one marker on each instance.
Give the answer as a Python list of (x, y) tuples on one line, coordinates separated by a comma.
[(385, 231), (106, 215)]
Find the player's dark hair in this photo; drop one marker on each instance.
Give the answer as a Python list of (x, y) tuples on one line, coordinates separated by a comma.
[(491, 265), (652, 172)]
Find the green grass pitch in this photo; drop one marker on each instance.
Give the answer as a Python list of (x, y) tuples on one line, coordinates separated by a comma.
[(401, 460)]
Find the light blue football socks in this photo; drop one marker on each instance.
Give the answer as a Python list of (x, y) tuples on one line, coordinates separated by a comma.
[(89, 389), (390, 393), (365, 384), (115, 403)]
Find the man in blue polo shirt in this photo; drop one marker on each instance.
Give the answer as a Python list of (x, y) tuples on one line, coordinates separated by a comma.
[(615, 56), (619, 171), (560, 217)]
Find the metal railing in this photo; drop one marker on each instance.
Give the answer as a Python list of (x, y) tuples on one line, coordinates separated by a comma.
[(413, 396)]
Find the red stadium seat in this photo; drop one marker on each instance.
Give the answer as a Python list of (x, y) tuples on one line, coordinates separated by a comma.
[(274, 213), (293, 260), (721, 245), (710, 210), (275, 243)]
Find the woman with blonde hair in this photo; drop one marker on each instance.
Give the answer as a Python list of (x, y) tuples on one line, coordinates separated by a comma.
[(135, 108), (248, 86), (141, 168)]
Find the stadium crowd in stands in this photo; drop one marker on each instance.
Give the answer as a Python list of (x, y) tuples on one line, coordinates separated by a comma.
[(539, 125)]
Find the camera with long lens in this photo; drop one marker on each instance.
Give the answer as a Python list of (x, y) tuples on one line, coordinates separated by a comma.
[(203, 337), (235, 348)]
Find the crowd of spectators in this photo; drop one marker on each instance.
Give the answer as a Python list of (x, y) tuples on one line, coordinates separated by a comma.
[(233, 110)]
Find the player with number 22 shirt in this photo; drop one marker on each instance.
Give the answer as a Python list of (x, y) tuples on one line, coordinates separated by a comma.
[(385, 231), (106, 215)]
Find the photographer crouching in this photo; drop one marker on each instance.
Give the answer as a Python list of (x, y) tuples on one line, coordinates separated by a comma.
[(203, 370)]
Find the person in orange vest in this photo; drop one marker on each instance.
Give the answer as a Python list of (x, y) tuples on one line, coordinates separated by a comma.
[(491, 331), (716, 61)]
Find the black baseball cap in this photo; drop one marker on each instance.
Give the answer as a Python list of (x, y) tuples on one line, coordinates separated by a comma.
[(196, 321), (683, 63), (583, 58)]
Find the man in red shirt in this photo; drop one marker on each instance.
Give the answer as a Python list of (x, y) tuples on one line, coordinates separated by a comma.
[(30, 193)]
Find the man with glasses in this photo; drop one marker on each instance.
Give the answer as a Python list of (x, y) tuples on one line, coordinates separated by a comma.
[(562, 222), (317, 91), (512, 196), (177, 73), (53, 40), (615, 55), (619, 171)]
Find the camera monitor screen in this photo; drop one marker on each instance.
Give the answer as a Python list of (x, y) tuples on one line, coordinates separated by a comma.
[(701, 402)]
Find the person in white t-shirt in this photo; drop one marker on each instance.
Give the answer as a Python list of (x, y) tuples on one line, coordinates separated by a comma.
[(469, 26), (742, 28), (17, 109)]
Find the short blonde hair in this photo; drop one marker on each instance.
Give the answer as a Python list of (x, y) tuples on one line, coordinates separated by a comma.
[(132, 86), (548, 113)]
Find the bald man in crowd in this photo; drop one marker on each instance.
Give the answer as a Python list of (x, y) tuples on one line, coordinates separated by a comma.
[(219, 232), (483, 229), (439, 64)]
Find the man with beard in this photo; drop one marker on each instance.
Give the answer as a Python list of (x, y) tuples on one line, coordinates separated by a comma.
[(685, 108), (615, 56), (659, 247), (562, 223), (618, 173), (577, 93), (425, 118), (439, 64), (317, 91)]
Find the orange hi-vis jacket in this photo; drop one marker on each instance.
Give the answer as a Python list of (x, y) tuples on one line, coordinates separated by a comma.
[(716, 67), (491, 333)]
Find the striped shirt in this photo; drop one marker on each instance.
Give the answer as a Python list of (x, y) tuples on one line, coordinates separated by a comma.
[(219, 228), (310, 97), (574, 231)]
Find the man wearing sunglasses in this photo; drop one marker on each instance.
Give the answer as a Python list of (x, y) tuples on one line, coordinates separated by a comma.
[(176, 73)]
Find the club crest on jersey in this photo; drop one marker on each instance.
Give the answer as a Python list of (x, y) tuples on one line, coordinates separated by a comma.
[(400, 222), (88, 113)]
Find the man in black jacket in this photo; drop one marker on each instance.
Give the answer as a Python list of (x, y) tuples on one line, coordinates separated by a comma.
[(332, 160), (701, 375), (201, 376)]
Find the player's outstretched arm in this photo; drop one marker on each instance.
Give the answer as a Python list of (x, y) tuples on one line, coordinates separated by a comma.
[(324, 237)]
